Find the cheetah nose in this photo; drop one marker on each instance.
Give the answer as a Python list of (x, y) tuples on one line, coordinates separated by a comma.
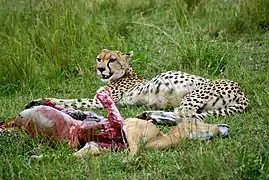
[(101, 69)]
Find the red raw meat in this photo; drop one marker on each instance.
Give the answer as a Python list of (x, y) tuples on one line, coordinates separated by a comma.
[(50, 122)]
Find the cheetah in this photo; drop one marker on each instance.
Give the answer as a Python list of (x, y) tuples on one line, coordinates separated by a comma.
[(189, 95)]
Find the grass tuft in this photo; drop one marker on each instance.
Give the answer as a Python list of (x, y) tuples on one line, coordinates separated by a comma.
[(251, 15)]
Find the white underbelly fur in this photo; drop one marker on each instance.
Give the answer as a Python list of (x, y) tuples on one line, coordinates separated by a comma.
[(164, 98), (165, 90)]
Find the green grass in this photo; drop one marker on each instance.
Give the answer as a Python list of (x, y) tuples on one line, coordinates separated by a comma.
[(48, 48)]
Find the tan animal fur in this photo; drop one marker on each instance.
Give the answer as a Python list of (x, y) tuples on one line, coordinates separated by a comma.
[(138, 130)]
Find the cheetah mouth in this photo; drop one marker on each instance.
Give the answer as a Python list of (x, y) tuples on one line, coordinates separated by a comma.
[(106, 76)]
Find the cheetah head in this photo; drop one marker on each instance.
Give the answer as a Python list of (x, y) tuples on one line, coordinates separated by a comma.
[(112, 65)]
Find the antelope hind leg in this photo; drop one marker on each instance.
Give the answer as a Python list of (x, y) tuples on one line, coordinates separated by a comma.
[(138, 130), (196, 129), (188, 128)]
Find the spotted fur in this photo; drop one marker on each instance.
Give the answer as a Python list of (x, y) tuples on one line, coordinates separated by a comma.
[(190, 95)]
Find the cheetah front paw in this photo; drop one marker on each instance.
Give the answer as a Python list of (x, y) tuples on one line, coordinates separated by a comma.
[(184, 112)]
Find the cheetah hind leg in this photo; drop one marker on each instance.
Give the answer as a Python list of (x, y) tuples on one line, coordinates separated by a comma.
[(226, 110)]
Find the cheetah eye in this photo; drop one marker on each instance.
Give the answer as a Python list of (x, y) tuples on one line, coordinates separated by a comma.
[(98, 59), (112, 60)]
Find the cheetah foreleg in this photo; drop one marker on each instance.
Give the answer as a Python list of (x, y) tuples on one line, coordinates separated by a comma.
[(81, 103)]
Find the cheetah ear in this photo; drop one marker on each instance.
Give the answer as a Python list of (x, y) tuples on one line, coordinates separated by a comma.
[(129, 54)]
